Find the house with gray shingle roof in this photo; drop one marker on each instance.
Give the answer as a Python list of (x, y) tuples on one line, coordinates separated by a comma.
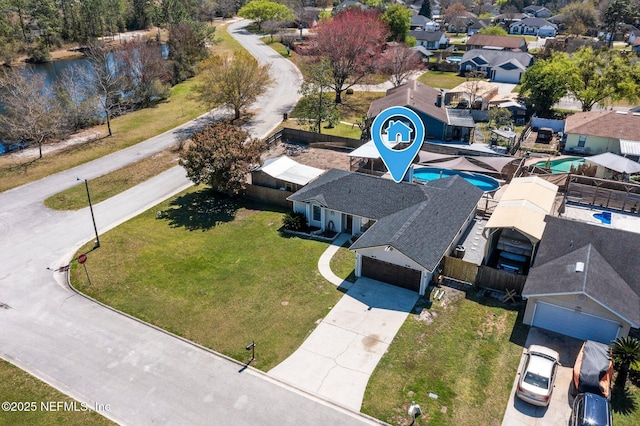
[(430, 39), (441, 124), (404, 229), (485, 41), (500, 65), (583, 283), (534, 26)]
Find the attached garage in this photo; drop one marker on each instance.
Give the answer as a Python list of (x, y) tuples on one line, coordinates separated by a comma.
[(390, 273), (574, 323)]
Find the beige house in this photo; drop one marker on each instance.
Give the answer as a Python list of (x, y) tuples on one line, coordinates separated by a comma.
[(596, 132)]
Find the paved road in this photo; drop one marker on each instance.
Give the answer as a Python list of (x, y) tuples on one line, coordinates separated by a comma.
[(99, 356)]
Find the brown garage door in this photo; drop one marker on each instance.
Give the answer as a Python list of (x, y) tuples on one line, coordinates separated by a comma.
[(389, 273)]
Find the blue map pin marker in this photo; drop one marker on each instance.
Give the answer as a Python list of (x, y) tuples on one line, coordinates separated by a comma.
[(398, 161)]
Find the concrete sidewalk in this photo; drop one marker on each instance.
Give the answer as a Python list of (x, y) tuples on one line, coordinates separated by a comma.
[(324, 263), (337, 359)]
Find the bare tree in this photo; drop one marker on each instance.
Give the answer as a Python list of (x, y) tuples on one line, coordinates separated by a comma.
[(77, 97), (475, 80), (146, 71), (108, 80), (399, 62), (31, 114)]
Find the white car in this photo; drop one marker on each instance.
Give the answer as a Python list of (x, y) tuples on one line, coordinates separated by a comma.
[(538, 375)]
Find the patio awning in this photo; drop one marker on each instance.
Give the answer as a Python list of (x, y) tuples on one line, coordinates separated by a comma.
[(368, 150), (495, 163), (461, 163), (630, 147), (615, 162), (427, 157)]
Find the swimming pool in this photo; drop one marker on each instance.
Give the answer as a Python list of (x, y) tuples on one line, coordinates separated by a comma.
[(484, 182), (562, 165), (454, 59)]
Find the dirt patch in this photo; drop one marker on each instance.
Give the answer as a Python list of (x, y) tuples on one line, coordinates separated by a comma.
[(492, 323), (316, 157)]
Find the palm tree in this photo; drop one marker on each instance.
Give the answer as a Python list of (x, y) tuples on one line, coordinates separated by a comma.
[(625, 350)]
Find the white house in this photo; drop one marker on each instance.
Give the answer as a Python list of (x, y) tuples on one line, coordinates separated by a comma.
[(534, 26), (404, 230)]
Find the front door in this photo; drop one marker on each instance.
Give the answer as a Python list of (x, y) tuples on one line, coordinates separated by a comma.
[(349, 224)]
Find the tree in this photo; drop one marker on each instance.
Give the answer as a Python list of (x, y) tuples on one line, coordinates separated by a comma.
[(474, 85), (232, 80), (187, 46), (579, 17), (495, 30), (146, 72), (31, 112), (77, 96), (625, 350), (108, 80), (350, 41), (599, 76), (266, 10), (500, 117), (316, 104), (399, 62), (221, 155), (545, 83), (454, 16), (398, 18), (617, 12), (425, 9)]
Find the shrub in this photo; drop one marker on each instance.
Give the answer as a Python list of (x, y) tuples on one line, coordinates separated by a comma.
[(294, 221)]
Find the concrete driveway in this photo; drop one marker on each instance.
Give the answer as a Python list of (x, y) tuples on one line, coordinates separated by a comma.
[(520, 413), (337, 359)]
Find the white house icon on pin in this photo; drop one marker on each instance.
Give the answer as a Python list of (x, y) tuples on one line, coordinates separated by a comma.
[(397, 131)]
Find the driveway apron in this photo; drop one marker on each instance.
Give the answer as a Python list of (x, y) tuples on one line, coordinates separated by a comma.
[(337, 359)]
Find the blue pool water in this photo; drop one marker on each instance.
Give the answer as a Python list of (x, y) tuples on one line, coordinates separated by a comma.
[(604, 217), (454, 59), (484, 182), (562, 165)]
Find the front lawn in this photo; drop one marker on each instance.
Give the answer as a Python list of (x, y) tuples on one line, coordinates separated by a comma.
[(441, 80), (467, 355), (216, 271)]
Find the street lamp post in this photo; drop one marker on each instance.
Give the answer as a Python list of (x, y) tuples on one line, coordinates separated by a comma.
[(93, 218), (300, 28)]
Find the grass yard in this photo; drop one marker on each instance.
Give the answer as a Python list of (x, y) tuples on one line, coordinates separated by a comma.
[(467, 356), (216, 271), (340, 129), (626, 407), (343, 264), (19, 386), (113, 183), (444, 80)]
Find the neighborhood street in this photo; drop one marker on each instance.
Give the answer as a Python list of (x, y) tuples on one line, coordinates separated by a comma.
[(138, 374)]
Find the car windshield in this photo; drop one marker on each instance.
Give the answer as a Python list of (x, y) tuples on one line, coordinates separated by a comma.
[(536, 380)]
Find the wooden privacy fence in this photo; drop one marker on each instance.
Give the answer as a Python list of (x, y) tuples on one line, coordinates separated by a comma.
[(459, 269), (497, 280), (313, 139)]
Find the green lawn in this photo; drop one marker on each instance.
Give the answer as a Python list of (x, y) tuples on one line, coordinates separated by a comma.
[(626, 406), (343, 263), (20, 387), (444, 80), (468, 357), (113, 183), (216, 271)]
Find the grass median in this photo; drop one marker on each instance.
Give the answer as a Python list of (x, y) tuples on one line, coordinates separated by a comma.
[(216, 271), (466, 353), (32, 402)]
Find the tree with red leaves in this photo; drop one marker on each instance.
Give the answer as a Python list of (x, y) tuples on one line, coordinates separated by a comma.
[(351, 41)]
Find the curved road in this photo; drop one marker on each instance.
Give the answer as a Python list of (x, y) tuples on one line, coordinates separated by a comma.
[(99, 356)]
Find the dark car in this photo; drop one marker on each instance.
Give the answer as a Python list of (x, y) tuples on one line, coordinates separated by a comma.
[(591, 410)]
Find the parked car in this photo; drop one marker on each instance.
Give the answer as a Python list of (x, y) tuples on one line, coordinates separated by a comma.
[(538, 375), (591, 410), (593, 370), (512, 263)]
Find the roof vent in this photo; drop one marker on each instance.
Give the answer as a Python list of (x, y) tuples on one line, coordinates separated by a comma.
[(579, 266)]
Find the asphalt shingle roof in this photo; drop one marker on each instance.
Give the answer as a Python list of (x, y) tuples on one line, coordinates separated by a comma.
[(611, 275), (606, 124), (496, 57), (418, 220)]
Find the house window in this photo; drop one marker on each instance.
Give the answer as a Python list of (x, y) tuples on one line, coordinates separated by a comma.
[(316, 213), (582, 140)]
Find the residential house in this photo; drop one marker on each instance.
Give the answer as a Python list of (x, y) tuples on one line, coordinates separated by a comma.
[(441, 124), (431, 40), (500, 65), (634, 34), (346, 4), (404, 229), (595, 132), (424, 53), (422, 23), (537, 11), (460, 23), (506, 19), (534, 26), (476, 25), (482, 41), (583, 283)]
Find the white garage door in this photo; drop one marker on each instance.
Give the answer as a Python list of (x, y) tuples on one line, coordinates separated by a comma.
[(571, 323), (503, 76)]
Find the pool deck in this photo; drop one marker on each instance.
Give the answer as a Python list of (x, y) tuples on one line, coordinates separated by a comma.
[(624, 221), (474, 242)]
